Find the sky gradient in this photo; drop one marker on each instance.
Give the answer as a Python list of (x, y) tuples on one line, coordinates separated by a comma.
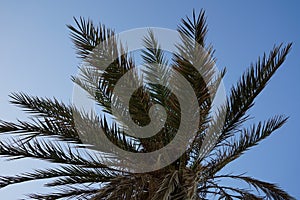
[(38, 58)]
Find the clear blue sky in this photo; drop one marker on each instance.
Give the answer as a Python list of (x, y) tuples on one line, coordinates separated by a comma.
[(37, 57)]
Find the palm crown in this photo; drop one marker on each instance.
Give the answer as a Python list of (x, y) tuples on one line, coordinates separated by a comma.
[(55, 133)]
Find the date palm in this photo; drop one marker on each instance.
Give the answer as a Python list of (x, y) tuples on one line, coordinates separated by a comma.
[(81, 173)]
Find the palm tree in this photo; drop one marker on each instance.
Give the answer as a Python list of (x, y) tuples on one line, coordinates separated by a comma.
[(83, 170)]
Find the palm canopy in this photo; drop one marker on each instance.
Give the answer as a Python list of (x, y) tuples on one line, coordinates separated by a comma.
[(53, 134)]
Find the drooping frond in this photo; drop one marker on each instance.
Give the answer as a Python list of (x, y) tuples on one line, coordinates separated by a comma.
[(216, 190), (248, 138), (271, 191)]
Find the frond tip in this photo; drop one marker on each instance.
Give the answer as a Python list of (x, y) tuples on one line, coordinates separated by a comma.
[(87, 36)]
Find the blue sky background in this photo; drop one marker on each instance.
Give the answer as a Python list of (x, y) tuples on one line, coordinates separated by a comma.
[(38, 58)]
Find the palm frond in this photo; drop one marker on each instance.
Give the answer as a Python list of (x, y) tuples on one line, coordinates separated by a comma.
[(270, 190), (49, 151), (228, 193), (95, 131), (210, 136), (155, 61), (124, 187), (50, 118), (87, 36), (253, 81), (167, 186), (248, 138), (38, 128), (68, 193), (196, 63), (43, 107), (156, 78), (79, 175), (64, 175), (195, 28)]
